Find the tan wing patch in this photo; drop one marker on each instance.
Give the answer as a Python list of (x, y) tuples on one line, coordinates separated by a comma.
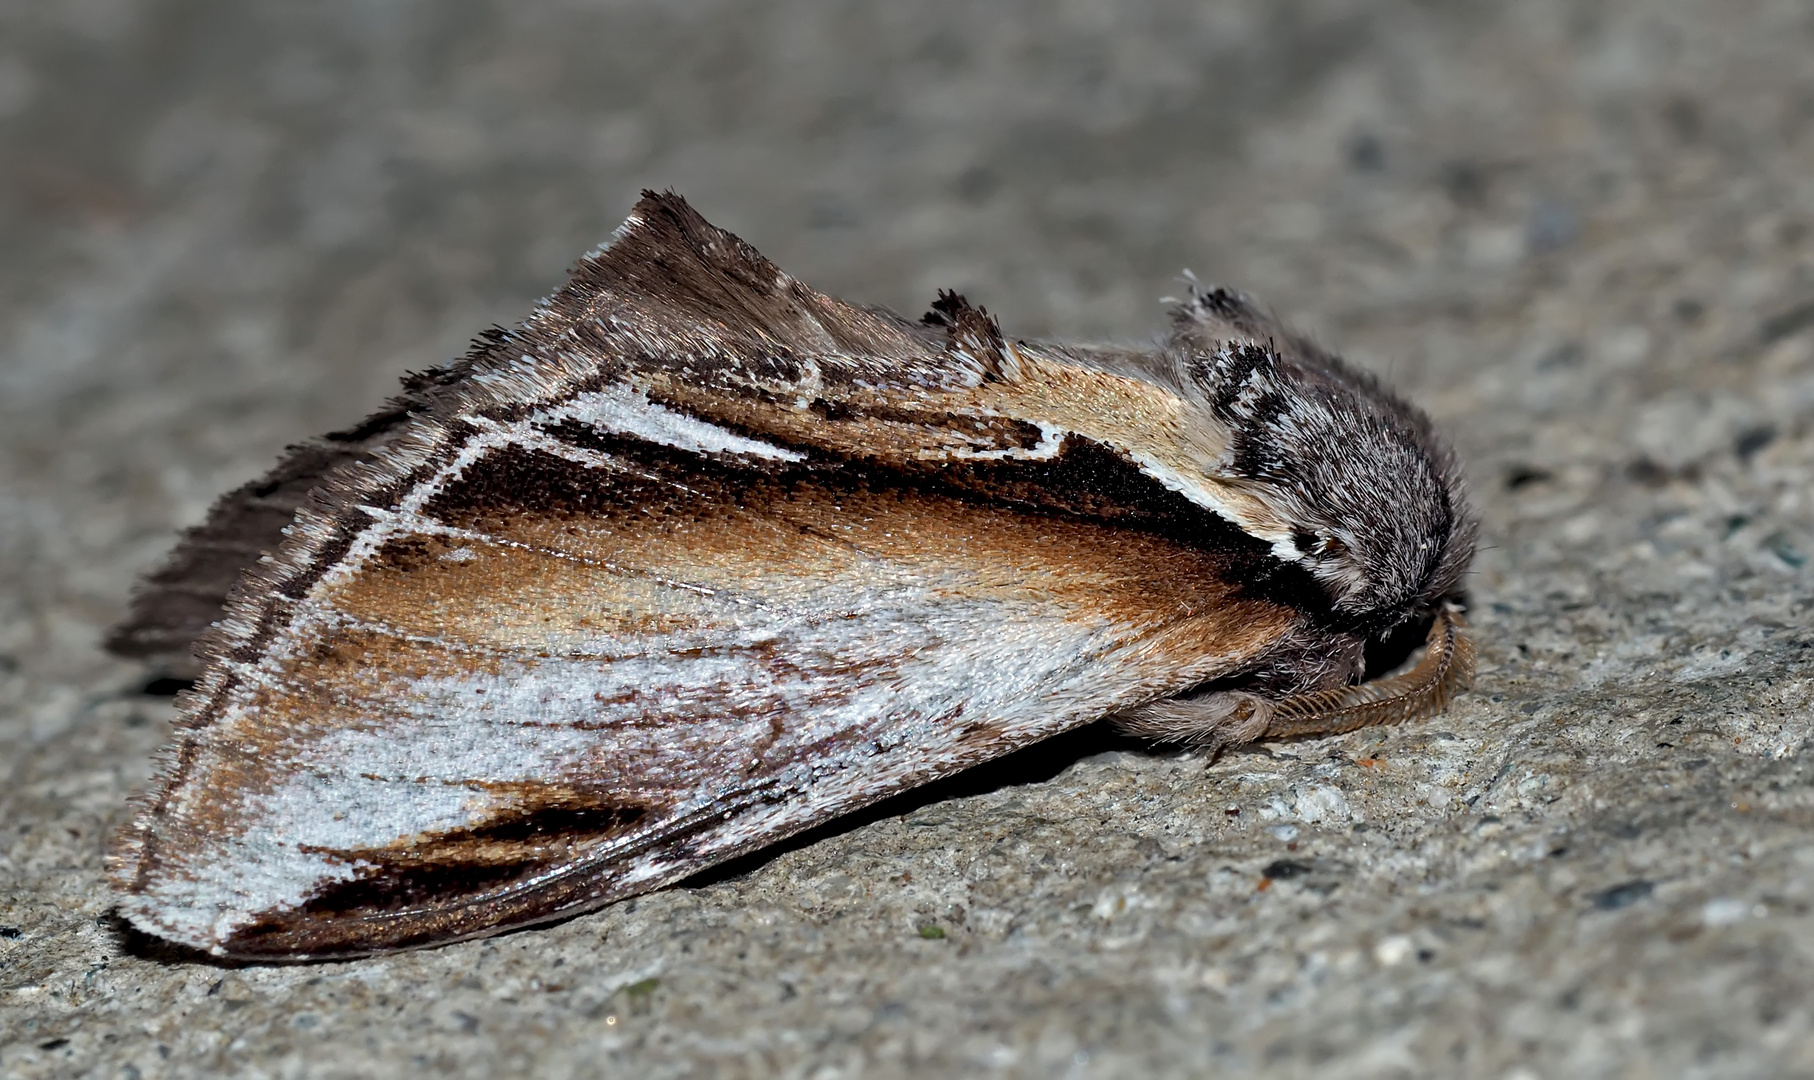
[(1026, 418)]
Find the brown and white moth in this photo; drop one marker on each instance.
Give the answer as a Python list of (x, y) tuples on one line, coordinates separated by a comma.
[(696, 558)]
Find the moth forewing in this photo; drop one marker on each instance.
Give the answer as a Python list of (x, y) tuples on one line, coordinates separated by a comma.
[(667, 673), (694, 559)]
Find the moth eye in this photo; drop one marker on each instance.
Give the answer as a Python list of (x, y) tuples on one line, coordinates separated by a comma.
[(1323, 547)]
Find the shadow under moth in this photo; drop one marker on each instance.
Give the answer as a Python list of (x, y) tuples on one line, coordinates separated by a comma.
[(696, 558)]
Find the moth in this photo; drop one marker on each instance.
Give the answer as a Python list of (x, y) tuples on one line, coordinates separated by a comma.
[(696, 558)]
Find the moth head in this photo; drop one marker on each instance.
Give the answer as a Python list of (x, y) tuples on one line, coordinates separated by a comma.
[(1377, 524), (1342, 478)]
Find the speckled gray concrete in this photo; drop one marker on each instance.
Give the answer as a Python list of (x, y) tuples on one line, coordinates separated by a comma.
[(1582, 236)]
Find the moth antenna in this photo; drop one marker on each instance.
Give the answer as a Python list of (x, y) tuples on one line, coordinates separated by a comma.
[(1446, 669), (1231, 718)]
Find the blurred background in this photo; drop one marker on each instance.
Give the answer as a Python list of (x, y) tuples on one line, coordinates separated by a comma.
[(1580, 234)]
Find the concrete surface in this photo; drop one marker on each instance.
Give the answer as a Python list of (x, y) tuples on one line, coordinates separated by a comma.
[(1581, 234)]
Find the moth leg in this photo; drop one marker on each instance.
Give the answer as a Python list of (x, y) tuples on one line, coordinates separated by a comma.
[(1213, 721), (1230, 718)]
